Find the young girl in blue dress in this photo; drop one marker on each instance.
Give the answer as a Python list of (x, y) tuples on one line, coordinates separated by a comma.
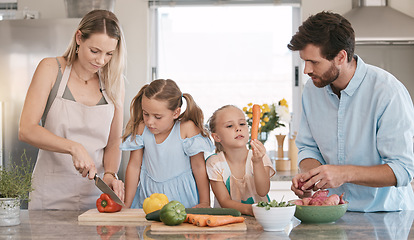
[(167, 147), (239, 177)]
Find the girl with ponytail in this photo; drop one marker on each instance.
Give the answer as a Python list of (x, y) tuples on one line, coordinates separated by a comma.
[(167, 147)]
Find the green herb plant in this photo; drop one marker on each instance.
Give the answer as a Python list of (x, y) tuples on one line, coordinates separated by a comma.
[(274, 203), (16, 179)]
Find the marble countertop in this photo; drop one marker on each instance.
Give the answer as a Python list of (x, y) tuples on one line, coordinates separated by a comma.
[(353, 225)]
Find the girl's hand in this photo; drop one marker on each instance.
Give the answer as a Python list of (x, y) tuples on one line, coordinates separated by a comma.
[(259, 150), (202, 205)]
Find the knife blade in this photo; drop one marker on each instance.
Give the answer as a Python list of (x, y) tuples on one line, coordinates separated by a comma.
[(106, 189)]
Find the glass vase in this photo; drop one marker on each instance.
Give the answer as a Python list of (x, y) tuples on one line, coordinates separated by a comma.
[(262, 137), (9, 211)]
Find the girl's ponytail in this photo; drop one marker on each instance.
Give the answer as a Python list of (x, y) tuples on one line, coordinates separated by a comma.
[(135, 115), (194, 113)]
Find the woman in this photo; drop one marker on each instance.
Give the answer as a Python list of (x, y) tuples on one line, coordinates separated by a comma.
[(78, 100)]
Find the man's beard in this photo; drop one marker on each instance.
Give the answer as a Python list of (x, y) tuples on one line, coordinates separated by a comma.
[(327, 77)]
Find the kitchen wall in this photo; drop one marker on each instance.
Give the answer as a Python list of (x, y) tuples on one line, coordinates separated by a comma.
[(134, 14)]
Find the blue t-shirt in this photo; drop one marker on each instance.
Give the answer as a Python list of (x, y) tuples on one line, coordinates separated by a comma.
[(372, 123)]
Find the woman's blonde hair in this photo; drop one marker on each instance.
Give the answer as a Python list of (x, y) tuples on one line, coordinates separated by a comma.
[(168, 91), (112, 74), (212, 125)]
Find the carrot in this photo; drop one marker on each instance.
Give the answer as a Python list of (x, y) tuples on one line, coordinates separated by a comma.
[(255, 122), (187, 218), (214, 221), (201, 220), (190, 218), (196, 218)]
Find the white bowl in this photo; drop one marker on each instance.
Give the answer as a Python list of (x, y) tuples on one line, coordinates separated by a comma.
[(274, 219)]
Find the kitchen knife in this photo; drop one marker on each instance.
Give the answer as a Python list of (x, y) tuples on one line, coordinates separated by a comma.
[(106, 189)]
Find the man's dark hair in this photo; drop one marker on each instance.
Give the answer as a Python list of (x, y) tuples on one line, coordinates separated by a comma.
[(329, 31)]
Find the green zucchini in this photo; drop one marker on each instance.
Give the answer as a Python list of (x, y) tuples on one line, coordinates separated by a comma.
[(214, 211), (155, 216)]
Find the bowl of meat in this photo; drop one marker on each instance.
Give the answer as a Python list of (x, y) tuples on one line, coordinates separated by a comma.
[(320, 208)]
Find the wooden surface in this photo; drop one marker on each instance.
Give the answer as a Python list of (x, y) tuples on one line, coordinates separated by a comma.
[(186, 227), (125, 215)]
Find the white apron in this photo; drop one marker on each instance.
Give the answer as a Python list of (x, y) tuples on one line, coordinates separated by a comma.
[(56, 182)]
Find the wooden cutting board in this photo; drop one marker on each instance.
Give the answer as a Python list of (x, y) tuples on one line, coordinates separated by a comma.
[(125, 215), (186, 227)]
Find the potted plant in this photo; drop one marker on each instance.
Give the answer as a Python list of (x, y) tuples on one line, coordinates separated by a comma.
[(15, 186)]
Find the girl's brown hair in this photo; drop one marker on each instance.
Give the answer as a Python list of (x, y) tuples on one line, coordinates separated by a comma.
[(212, 121), (168, 91)]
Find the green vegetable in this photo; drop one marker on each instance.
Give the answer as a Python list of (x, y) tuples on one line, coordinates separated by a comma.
[(274, 203), (155, 216), (173, 213), (214, 211)]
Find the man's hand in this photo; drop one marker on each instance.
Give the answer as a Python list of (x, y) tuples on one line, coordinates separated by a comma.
[(322, 177), (325, 176), (297, 187)]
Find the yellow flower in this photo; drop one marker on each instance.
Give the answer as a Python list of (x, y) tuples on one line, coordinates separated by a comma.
[(283, 102), (249, 115), (250, 104), (262, 123), (266, 108), (266, 119), (245, 109)]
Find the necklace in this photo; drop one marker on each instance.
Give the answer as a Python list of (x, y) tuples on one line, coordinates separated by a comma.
[(77, 75)]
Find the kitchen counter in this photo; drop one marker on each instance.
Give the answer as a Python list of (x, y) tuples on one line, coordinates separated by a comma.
[(353, 225)]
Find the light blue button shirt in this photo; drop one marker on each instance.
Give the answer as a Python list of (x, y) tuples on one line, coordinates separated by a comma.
[(371, 124)]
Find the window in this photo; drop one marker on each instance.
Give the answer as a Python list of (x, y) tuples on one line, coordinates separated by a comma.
[(8, 9), (226, 54)]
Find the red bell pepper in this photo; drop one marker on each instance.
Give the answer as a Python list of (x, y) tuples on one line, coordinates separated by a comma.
[(106, 204), (106, 232)]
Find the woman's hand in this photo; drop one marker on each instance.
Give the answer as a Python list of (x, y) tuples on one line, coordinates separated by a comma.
[(118, 187), (82, 162)]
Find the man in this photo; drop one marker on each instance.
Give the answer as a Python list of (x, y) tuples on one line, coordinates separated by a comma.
[(357, 125)]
